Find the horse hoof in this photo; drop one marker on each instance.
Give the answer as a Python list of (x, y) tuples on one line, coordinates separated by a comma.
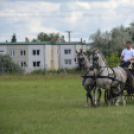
[(116, 104), (86, 105), (95, 106)]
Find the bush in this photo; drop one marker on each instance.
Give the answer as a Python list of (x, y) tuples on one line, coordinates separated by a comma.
[(58, 71), (8, 66), (113, 59)]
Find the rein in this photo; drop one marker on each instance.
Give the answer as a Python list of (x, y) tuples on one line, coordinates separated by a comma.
[(103, 77), (86, 77), (108, 77)]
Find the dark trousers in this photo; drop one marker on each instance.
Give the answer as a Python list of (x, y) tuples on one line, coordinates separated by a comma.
[(125, 64)]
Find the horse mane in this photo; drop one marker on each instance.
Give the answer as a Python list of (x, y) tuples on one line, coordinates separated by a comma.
[(102, 57), (79, 53)]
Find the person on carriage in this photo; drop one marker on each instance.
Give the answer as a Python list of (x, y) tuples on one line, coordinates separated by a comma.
[(127, 55)]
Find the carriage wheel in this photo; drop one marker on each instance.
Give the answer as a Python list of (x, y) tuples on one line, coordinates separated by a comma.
[(106, 96), (129, 95)]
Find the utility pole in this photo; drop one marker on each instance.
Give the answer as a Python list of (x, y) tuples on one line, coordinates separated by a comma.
[(69, 34)]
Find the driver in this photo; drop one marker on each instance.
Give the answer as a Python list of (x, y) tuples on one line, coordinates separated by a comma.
[(127, 55)]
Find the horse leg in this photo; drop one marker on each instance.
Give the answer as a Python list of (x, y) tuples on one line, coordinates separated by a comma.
[(86, 104), (110, 98), (117, 100), (122, 97), (95, 102), (90, 96), (98, 100)]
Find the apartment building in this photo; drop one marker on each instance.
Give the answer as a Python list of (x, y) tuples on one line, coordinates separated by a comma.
[(40, 55)]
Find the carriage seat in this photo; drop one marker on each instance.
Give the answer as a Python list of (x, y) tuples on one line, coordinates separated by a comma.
[(131, 67)]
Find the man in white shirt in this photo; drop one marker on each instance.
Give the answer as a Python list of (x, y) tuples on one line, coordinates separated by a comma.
[(127, 55)]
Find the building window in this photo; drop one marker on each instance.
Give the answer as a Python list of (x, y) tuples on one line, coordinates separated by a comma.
[(36, 52), (22, 63), (36, 64), (12, 53), (68, 61), (22, 52), (67, 51), (1, 51)]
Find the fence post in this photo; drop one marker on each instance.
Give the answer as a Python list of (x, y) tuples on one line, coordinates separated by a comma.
[(24, 70), (64, 71), (46, 73)]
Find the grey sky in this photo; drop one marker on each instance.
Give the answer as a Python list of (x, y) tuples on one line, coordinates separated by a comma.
[(83, 17)]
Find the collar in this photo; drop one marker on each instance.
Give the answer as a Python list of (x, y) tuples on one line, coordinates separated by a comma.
[(129, 49)]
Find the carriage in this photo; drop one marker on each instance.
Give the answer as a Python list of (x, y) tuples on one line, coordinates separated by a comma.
[(96, 75), (128, 91)]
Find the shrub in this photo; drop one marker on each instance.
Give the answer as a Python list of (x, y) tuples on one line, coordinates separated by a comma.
[(8, 66), (113, 59), (58, 71)]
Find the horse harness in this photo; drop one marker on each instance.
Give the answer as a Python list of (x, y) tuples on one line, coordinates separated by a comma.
[(98, 76), (103, 77), (86, 77)]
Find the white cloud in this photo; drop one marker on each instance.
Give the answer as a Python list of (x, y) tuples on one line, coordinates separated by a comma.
[(79, 17)]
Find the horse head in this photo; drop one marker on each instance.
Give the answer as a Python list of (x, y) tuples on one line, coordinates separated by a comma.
[(96, 60), (81, 60)]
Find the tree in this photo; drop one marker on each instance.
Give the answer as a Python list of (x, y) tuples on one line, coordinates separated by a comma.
[(113, 59), (7, 65), (131, 30), (47, 37), (13, 38), (114, 41)]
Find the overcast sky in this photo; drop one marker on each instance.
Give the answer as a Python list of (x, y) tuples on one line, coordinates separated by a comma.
[(27, 18)]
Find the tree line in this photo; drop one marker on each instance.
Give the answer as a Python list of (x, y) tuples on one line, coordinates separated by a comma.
[(113, 41), (43, 37), (107, 42)]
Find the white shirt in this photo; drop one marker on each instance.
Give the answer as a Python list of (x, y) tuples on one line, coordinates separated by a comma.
[(128, 54)]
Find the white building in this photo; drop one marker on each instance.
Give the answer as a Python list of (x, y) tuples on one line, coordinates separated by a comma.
[(40, 55)]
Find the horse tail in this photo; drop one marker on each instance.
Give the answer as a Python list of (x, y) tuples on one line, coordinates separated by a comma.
[(130, 78)]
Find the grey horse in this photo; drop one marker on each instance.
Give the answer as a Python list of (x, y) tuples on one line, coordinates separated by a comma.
[(88, 81), (111, 79)]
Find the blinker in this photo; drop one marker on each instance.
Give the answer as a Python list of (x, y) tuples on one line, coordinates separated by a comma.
[(82, 58), (96, 58)]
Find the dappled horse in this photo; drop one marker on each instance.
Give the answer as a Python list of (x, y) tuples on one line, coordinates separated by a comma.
[(111, 79), (88, 81)]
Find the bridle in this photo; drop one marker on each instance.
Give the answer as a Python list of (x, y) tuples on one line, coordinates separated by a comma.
[(103, 67), (81, 65), (95, 58), (80, 61)]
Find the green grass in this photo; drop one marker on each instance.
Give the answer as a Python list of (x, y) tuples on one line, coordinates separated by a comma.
[(36, 104)]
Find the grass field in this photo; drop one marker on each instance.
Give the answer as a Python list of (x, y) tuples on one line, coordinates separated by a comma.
[(36, 104)]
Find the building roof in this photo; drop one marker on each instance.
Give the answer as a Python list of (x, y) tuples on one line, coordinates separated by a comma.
[(43, 43)]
